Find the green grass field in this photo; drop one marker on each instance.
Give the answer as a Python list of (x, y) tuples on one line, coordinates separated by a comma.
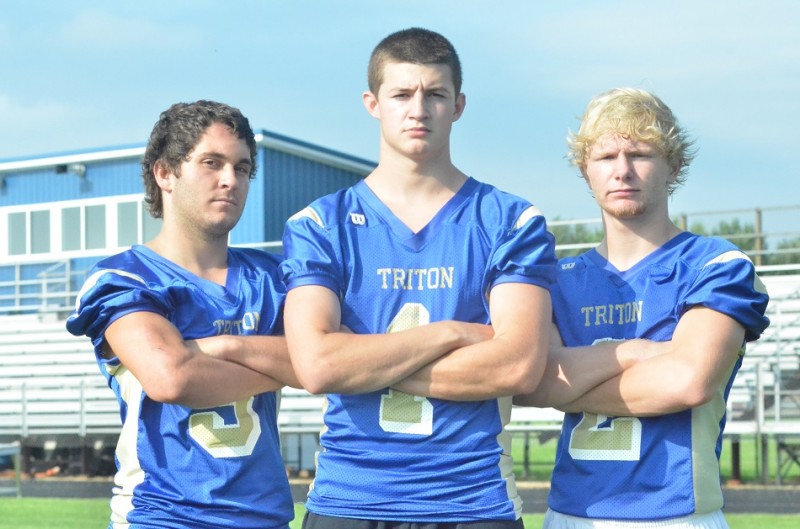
[(542, 457), (40, 513)]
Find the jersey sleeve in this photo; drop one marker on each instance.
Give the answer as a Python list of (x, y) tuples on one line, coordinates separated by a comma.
[(310, 253), (728, 284), (106, 296), (526, 253)]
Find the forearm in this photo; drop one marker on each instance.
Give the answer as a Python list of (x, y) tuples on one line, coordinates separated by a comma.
[(573, 371), (512, 362), (202, 381), (268, 355), (480, 371), (656, 386), (359, 363), (694, 367)]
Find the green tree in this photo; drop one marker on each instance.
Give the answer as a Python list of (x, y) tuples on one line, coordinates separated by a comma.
[(740, 233), (567, 234), (787, 252)]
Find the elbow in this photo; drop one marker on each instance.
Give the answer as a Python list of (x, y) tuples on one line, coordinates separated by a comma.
[(525, 385), (312, 364), (315, 379), (315, 385), (317, 369), (168, 384), (698, 396), (168, 390), (524, 379), (693, 393)]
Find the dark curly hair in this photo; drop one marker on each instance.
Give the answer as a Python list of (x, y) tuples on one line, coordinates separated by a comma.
[(178, 131)]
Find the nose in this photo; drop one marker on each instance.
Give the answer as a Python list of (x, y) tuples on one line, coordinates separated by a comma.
[(623, 166), (227, 176), (419, 109)]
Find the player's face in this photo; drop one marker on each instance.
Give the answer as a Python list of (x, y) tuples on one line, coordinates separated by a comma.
[(211, 191), (628, 177), (417, 106)]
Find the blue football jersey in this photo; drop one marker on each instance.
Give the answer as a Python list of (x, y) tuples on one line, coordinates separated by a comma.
[(180, 467), (388, 455), (649, 468)]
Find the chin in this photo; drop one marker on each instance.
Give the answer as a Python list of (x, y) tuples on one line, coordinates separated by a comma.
[(627, 211)]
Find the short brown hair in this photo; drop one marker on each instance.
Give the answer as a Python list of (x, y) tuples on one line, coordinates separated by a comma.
[(416, 46)]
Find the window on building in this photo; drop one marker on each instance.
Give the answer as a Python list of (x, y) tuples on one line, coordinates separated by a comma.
[(151, 225), (17, 234), (127, 223), (40, 231), (95, 227), (71, 229)]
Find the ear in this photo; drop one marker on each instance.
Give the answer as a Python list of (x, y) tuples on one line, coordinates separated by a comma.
[(586, 179), (370, 101), (163, 176), (673, 177), (461, 102)]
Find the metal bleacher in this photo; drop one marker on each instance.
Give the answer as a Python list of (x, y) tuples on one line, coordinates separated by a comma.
[(300, 423), (52, 395), (764, 402), (774, 360)]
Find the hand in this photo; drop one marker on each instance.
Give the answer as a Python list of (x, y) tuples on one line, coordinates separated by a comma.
[(212, 346)]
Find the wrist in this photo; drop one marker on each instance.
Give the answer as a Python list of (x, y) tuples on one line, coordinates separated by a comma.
[(225, 347), (630, 352)]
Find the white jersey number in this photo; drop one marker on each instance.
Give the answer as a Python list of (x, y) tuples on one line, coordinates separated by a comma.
[(401, 412), (602, 438), (219, 439)]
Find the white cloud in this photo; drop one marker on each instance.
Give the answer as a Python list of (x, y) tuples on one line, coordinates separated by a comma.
[(33, 126), (32, 116), (604, 42), (729, 67), (103, 31)]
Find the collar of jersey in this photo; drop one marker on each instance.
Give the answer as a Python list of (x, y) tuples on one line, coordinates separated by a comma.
[(414, 241)]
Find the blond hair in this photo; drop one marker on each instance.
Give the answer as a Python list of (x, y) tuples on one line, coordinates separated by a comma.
[(638, 115)]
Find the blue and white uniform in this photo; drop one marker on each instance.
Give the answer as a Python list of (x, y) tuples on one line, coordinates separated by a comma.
[(649, 468), (387, 455), (180, 467)]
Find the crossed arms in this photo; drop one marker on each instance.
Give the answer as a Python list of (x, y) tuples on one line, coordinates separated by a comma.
[(447, 359), (641, 377), (199, 373)]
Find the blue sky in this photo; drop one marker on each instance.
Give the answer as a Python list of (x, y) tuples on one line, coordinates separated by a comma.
[(78, 75)]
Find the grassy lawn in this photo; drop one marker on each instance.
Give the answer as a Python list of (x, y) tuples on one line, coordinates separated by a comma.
[(542, 456), (41, 513)]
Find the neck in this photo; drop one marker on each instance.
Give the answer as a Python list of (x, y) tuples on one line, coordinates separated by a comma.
[(415, 192), (628, 241), (206, 257)]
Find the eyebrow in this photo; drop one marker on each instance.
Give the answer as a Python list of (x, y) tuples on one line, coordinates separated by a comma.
[(432, 88), (220, 156)]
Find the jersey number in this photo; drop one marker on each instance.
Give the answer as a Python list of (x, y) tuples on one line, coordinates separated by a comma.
[(236, 438), (401, 412), (602, 438)]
